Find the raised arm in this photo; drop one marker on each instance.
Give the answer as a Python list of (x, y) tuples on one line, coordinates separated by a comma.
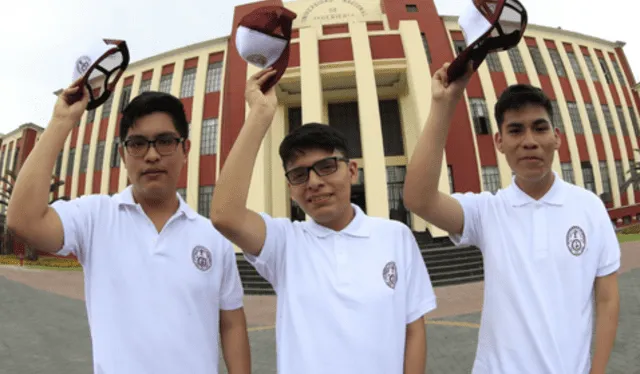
[(421, 194), (229, 212), (29, 216)]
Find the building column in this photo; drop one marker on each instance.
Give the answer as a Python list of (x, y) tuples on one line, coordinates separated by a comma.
[(275, 174), (310, 80), (259, 189), (416, 107), (375, 173), (195, 132)]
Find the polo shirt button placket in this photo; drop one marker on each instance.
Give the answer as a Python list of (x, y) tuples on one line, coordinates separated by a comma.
[(540, 238), (341, 258)]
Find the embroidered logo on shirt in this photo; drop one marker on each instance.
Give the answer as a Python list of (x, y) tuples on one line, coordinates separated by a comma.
[(576, 240), (390, 274), (201, 257)]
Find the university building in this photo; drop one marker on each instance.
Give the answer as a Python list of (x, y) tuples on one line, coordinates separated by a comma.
[(365, 67)]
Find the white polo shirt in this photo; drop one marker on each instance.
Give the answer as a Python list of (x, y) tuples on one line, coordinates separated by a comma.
[(153, 299), (344, 298), (541, 259)]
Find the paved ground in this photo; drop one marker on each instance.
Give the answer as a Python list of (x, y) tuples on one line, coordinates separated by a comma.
[(43, 325)]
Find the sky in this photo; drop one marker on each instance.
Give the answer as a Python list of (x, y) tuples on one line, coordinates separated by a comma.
[(42, 38)]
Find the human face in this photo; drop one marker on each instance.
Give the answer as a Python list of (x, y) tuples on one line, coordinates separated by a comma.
[(529, 141), (154, 175), (326, 197)]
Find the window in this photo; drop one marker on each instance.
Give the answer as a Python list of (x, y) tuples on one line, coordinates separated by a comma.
[(208, 137), (145, 85), (188, 83), (84, 158), (587, 176), (633, 174), (450, 174), (591, 67), (99, 156), (214, 77), (575, 65), (480, 115), (616, 68), (491, 178), (493, 62), (557, 62), (204, 200), (606, 181), (593, 119), (70, 160), (124, 99), (567, 172), (538, 62), (295, 118), (425, 44), (183, 193), (58, 163), (634, 122), (619, 173), (165, 83), (576, 123), (106, 107), (392, 140), (605, 70), (623, 121), (459, 46), (608, 119), (516, 60), (395, 183), (16, 153), (91, 115), (557, 116), (115, 157), (412, 8), (345, 117)]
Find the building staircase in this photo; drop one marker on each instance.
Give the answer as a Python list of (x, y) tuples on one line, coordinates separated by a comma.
[(447, 265)]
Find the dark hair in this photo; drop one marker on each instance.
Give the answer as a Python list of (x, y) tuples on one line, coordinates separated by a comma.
[(312, 136), (152, 102), (518, 96)]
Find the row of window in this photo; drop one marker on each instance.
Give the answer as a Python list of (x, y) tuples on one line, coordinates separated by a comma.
[(491, 177), (208, 146), (187, 89)]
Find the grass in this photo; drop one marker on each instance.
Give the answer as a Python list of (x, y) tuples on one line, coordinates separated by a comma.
[(70, 264), (43, 262), (623, 238)]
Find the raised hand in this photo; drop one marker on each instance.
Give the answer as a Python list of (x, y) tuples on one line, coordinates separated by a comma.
[(253, 92), (70, 114), (445, 91)]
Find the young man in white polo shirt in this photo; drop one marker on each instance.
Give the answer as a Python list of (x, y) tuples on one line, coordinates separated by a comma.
[(160, 282), (547, 244), (352, 289)]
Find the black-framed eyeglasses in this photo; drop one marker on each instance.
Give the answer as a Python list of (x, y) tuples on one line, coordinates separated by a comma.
[(322, 168), (165, 145)]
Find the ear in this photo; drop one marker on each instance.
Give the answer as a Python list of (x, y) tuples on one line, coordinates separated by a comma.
[(186, 149), (556, 134), (497, 138), (353, 171)]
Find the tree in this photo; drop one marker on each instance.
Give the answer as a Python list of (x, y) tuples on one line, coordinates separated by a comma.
[(9, 180), (634, 176)]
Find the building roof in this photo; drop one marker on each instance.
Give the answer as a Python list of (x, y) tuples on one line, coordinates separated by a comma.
[(27, 125)]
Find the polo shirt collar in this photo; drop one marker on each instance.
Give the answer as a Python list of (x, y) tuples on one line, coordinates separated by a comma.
[(358, 227), (555, 195), (125, 198)]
